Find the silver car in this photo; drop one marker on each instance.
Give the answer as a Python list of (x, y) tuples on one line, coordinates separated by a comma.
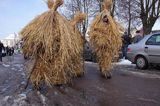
[(145, 52)]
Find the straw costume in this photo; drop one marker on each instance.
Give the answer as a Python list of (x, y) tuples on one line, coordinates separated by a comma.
[(105, 39), (78, 62), (52, 45)]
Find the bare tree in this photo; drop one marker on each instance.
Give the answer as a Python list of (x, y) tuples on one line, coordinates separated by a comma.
[(113, 8), (137, 12), (100, 4), (126, 12), (133, 13), (87, 6), (149, 13)]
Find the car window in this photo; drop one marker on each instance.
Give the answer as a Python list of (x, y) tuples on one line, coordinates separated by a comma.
[(158, 39), (154, 40)]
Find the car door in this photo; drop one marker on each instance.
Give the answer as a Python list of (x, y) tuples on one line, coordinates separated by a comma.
[(152, 48)]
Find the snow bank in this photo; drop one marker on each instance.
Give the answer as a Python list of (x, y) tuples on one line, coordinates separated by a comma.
[(124, 62), (6, 65)]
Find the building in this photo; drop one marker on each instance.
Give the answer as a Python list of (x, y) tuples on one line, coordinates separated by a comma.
[(11, 40)]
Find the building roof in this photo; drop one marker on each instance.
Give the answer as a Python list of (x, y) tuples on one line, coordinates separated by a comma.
[(12, 36)]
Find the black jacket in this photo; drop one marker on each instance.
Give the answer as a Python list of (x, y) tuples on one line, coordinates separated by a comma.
[(126, 40), (1, 47)]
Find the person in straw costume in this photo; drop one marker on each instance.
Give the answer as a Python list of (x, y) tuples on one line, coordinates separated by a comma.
[(77, 59), (51, 42), (105, 39)]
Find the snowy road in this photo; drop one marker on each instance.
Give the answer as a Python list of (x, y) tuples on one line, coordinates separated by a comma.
[(128, 87)]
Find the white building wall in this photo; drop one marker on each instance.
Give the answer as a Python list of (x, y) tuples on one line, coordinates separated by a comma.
[(10, 40)]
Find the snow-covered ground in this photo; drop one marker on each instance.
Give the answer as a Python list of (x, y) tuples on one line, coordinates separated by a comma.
[(124, 62), (86, 91), (121, 62)]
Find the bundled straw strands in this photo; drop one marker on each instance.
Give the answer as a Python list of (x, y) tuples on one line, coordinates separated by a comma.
[(105, 38), (54, 45), (77, 59)]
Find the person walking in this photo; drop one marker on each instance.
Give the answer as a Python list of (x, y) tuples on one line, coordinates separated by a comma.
[(7, 51), (126, 40), (1, 48), (12, 50), (138, 37)]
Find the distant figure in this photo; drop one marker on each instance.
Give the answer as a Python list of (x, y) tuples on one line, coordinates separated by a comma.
[(12, 50), (1, 48), (126, 40), (7, 50), (138, 37)]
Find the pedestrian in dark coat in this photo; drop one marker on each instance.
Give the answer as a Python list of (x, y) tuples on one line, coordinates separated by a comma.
[(138, 37), (126, 41), (7, 51), (12, 50), (1, 48)]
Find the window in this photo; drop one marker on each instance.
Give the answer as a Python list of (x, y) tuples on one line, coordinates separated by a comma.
[(154, 40), (158, 39)]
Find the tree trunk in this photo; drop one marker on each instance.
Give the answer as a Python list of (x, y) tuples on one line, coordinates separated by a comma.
[(147, 29), (100, 5), (149, 14), (148, 25), (113, 8), (129, 23)]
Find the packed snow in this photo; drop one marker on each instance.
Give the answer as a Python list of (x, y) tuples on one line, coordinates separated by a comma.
[(124, 62)]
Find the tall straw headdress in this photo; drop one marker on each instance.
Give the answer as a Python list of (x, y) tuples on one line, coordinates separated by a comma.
[(50, 40)]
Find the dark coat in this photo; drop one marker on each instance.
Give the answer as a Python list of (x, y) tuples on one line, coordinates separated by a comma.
[(126, 40), (1, 47)]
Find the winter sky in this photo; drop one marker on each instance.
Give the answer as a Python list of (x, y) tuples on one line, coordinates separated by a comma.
[(15, 14)]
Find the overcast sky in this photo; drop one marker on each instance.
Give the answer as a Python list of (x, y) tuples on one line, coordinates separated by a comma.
[(15, 14)]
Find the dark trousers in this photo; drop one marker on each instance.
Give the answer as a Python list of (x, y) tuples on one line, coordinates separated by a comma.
[(124, 51), (1, 56)]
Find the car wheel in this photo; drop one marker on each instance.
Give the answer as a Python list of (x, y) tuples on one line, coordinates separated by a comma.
[(141, 62)]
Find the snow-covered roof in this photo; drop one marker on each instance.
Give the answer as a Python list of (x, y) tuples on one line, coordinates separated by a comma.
[(12, 36)]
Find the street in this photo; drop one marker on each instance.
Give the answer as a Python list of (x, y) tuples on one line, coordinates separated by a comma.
[(128, 87)]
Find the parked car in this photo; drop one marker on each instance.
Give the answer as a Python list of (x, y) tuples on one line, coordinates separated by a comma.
[(145, 52)]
